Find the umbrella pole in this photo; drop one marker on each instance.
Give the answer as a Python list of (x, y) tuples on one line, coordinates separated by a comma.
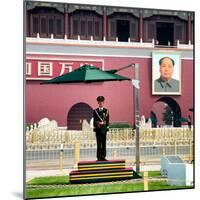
[(136, 108)]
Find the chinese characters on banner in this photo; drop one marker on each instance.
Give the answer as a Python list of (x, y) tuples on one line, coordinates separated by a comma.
[(48, 69)]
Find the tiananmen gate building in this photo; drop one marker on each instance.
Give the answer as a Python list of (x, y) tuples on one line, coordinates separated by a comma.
[(61, 37)]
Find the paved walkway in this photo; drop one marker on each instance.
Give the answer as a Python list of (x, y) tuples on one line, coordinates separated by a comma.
[(30, 174)]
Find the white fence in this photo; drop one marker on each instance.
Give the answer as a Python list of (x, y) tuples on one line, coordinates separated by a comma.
[(44, 145)]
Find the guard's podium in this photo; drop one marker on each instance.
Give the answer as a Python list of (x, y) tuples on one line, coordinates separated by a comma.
[(99, 171), (177, 172)]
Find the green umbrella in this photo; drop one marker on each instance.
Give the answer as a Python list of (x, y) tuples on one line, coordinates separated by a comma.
[(183, 119), (86, 74)]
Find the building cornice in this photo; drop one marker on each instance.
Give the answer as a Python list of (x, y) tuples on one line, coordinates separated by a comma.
[(70, 7)]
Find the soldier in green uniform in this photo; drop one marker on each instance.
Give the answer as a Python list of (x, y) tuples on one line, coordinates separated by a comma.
[(166, 83), (101, 125)]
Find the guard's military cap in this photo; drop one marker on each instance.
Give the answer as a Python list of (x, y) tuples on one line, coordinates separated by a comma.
[(100, 98)]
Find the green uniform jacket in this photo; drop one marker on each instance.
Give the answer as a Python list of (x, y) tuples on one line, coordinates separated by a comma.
[(104, 115), (166, 86)]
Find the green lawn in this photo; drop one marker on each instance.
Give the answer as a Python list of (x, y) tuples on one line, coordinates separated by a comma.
[(49, 180), (152, 174), (74, 190), (84, 190)]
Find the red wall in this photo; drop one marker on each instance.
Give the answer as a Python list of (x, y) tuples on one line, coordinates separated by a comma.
[(55, 101)]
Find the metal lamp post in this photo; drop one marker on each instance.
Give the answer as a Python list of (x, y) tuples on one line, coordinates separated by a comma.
[(136, 106), (135, 82)]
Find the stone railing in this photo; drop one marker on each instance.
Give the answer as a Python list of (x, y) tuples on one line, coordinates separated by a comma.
[(104, 42), (115, 136), (45, 148), (90, 42)]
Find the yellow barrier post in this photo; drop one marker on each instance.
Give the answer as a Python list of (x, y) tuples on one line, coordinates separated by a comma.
[(164, 151), (191, 151), (115, 154), (76, 153), (146, 187), (61, 157), (175, 148)]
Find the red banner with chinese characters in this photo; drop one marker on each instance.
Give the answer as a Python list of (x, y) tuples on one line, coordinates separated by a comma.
[(45, 69)]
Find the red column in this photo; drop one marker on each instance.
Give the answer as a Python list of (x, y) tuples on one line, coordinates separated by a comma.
[(141, 26), (104, 23), (66, 25), (189, 28)]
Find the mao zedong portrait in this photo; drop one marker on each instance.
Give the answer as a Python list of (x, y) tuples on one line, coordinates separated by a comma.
[(165, 83)]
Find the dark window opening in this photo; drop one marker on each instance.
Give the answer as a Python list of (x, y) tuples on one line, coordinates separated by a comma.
[(165, 33), (51, 26), (97, 31), (46, 21), (150, 31), (112, 27), (43, 26), (192, 32), (123, 30), (35, 25), (83, 28), (75, 27), (90, 28), (133, 33), (88, 24), (59, 26)]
